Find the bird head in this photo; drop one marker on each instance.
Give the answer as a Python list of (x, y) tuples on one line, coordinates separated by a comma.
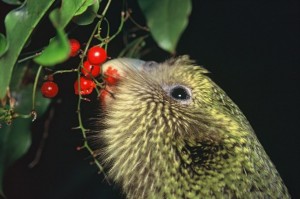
[(168, 124)]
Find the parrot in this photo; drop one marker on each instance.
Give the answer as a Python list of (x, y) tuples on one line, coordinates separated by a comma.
[(171, 132)]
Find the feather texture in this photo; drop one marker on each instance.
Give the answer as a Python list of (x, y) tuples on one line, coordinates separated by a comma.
[(159, 147)]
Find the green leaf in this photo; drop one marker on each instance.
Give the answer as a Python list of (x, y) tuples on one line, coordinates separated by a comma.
[(62, 16), (167, 19), (3, 44), (24, 97), (18, 75), (85, 5), (15, 139), (58, 49), (56, 52), (88, 16), (13, 2), (19, 24)]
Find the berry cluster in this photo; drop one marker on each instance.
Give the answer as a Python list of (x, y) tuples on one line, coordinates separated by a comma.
[(49, 88), (90, 69)]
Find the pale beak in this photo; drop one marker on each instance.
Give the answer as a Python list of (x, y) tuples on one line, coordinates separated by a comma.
[(115, 69), (122, 63)]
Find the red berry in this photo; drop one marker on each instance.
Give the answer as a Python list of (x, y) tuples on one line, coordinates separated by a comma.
[(90, 70), (96, 55), (106, 96), (49, 89), (103, 95), (86, 86), (75, 46), (111, 76)]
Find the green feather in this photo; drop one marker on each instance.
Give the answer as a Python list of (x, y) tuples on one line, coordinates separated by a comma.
[(160, 147)]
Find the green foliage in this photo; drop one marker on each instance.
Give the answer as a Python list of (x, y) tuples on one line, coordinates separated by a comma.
[(58, 49), (60, 17), (19, 24), (88, 16), (13, 2), (56, 52), (15, 139), (23, 20), (14, 142), (167, 19), (3, 44), (85, 6)]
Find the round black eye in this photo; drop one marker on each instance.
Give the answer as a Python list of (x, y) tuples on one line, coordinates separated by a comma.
[(180, 93)]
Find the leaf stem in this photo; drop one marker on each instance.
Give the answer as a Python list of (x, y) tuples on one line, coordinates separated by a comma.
[(35, 85), (29, 57), (123, 19)]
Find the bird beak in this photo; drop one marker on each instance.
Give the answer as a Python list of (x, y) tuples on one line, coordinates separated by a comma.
[(115, 69), (121, 64)]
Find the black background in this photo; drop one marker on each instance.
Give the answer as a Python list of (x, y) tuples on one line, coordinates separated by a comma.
[(252, 49)]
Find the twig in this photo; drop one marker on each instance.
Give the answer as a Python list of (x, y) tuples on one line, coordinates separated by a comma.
[(40, 149)]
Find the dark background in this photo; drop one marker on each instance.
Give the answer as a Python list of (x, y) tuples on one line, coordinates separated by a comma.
[(252, 49)]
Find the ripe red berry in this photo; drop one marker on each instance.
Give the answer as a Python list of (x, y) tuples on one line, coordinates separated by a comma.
[(49, 89), (96, 55), (75, 47), (90, 70), (103, 94), (86, 86), (111, 76)]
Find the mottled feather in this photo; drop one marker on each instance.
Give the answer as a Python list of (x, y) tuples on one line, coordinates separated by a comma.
[(157, 147)]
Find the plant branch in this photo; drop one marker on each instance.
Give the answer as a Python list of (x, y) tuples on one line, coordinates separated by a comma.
[(35, 85)]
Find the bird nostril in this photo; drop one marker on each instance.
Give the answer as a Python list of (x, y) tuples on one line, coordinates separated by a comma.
[(150, 64)]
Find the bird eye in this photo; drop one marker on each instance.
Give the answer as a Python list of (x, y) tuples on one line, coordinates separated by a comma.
[(180, 93)]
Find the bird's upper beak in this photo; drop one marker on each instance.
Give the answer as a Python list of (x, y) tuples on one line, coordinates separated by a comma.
[(115, 69), (121, 64)]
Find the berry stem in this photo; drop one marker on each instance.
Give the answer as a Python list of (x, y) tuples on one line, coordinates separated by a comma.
[(106, 7), (123, 19), (80, 98), (65, 71)]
